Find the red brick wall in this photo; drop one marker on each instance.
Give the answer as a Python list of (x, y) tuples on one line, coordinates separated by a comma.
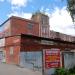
[(5, 29), (61, 36), (30, 44), (14, 43), (19, 26), (12, 59), (12, 40)]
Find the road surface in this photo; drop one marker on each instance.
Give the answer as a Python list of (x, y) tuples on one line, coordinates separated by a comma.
[(6, 69)]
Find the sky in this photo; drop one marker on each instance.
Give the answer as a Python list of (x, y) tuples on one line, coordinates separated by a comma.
[(59, 17)]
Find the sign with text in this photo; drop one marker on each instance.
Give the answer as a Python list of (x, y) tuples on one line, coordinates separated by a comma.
[(52, 58)]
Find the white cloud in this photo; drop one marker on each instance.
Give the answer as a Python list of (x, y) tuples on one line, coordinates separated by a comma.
[(18, 3), (42, 9), (14, 8), (45, 10), (1, 0), (21, 14), (60, 20)]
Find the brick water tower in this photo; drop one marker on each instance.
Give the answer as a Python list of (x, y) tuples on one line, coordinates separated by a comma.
[(43, 21)]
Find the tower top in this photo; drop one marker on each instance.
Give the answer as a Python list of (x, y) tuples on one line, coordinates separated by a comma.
[(39, 13), (41, 18), (43, 21)]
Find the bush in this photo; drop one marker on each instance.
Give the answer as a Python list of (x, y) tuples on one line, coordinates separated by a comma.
[(63, 71), (72, 70)]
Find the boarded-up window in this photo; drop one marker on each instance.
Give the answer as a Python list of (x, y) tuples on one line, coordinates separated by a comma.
[(11, 50)]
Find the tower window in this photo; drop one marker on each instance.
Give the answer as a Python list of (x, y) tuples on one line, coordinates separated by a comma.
[(44, 20), (30, 26)]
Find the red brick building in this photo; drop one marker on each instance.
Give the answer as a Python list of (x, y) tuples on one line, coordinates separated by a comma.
[(21, 39)]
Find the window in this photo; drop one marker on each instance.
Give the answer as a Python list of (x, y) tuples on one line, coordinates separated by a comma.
[(30, 26), (11, 51), (44, 29), (44, 20)]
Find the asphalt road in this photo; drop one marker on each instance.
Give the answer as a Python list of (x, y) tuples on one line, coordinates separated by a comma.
[(6, 69)]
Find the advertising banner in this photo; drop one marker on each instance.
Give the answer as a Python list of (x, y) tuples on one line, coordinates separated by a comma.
[(52, 58)]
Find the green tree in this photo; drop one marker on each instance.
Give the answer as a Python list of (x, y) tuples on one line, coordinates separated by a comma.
[(71, 8)]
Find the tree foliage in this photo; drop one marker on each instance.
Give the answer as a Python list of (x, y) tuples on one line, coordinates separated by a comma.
[(71, 8)]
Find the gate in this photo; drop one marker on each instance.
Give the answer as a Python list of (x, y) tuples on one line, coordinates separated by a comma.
[(31, 60)]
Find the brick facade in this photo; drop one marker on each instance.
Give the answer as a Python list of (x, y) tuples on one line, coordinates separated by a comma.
[(37, 26), (24, 26)]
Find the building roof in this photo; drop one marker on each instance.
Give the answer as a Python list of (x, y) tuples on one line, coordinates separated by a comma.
[(16, 17), (48, 39)]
